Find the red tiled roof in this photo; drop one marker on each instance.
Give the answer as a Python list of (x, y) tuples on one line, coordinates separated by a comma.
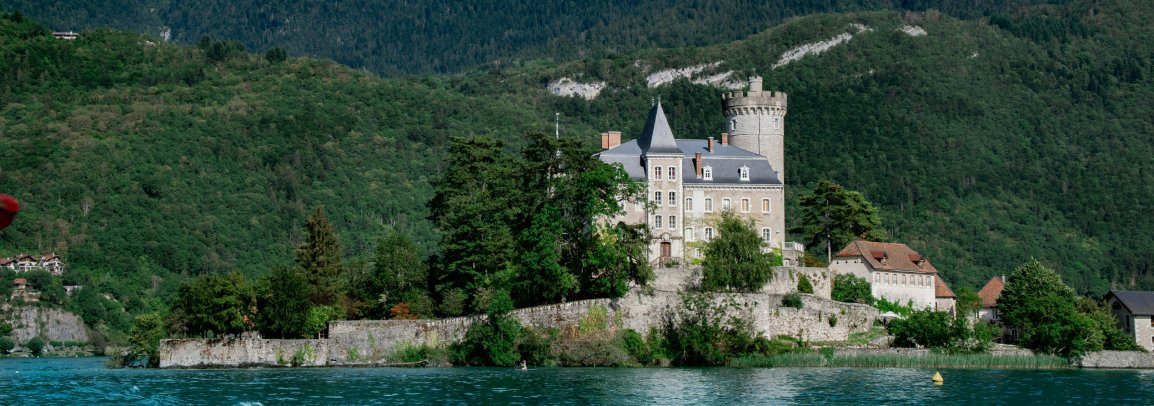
[(898, 257), (19, 281), (941, 289), (991, 292), (6, 261)]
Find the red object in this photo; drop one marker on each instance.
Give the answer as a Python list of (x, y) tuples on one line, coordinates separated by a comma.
[(8, 208)]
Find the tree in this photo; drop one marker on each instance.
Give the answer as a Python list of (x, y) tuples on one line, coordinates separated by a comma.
[(923, 328), (320, 258), (400, 276), (284, 306), (215, 304), (475, 209), (734, 259), (35, 345), (851, 289), (6, 344), (1043, 310), (144, 339), (835, 216), (1029, 282)]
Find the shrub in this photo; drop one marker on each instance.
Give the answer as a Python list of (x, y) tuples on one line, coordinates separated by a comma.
[(637, 347), (35, 346), (851, 289), (804, 285), (6, 345), (792, 300)]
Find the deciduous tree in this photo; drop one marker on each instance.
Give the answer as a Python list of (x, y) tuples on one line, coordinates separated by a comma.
[(734, 260)]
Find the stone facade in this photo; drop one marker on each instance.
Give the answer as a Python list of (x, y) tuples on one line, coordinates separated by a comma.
[(1134, 314), (1115, 359), (690, 182), (375, 341)]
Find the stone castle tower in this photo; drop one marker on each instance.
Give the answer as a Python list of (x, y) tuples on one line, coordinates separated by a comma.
[(755, 121)]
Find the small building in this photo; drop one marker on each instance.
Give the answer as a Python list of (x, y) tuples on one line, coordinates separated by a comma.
[(66, 35), (25, 263), (19, 285), (1134, 313), (896, 272), (52, 263), (989, 295), (946, 299), (9, 263)]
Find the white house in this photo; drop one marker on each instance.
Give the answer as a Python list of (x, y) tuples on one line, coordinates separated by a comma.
[(896, 273)]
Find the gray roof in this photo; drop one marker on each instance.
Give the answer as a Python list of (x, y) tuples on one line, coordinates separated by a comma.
[(725, 160), (1137, 301), (657, 137)]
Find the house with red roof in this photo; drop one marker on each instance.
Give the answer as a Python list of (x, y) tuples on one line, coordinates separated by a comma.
[(989, 295), (25, 262), (946, 299), (1134, 312), (895, 272)]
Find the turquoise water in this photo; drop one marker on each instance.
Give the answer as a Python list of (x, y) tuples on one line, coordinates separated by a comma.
[(85, 381)]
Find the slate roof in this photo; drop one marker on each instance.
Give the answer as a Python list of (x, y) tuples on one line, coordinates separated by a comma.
[(888, 256), (725, 161), (657, 138), (992, 291), (941, 289), (1139, 302)]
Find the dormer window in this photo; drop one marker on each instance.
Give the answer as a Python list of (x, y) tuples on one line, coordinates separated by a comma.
[(657, 173), (707, 173), (745, 173)]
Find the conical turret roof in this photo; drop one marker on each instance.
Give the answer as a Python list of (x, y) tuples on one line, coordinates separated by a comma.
[(657, 138)]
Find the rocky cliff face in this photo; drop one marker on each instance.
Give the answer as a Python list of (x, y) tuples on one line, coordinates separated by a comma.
[(51, 324)]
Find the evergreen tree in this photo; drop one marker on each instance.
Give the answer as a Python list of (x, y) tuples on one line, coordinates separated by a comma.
[(833, 216), (475, 208), (214, 304), (734, 259), (284, 306), (144, 339), (320, 258)]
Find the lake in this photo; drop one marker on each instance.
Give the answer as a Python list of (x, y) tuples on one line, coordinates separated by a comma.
[(86, 381)]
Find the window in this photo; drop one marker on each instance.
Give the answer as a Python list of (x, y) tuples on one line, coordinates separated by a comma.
[(707, 173), (689, 204), (657, 198), (708, 205), (726, 204), (697, 252), (732, 125), (708, 233), (766, 234), (672, 222), (672, 173), (688, 233), (745, 205), (672, 198), (877, 278), (903, 279), (657, 173), (765, 205), (745, 173), (656, 221)]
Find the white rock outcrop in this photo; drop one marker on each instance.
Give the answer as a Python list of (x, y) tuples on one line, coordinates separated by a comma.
[(568, 87), (913, 30), (669, 75)]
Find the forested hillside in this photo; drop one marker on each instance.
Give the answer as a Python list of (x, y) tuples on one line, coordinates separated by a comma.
[(427, 36), (984, 142)]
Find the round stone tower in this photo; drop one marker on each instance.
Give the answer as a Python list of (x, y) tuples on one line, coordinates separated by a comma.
[(755, 121)]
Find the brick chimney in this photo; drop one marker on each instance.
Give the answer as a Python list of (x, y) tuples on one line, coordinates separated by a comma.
[(610, 139), (710, 144), (697, 163), (724, 138)]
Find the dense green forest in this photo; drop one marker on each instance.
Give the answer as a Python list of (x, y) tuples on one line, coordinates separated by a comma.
[(987, 141), (423, 36)]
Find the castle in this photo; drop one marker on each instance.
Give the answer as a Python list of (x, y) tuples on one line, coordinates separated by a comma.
[(689, 182)]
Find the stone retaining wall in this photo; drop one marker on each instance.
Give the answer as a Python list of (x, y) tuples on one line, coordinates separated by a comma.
[(372, 342), (1115, 359)]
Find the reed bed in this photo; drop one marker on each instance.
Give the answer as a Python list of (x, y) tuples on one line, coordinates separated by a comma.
[(904, 361)]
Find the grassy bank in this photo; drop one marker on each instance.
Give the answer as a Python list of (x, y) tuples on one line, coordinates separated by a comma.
[(903, 361)]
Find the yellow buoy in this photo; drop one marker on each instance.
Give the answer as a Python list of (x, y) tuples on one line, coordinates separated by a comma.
[(938, 378)]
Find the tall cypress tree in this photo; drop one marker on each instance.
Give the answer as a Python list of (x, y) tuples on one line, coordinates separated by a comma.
[(320, 258)]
